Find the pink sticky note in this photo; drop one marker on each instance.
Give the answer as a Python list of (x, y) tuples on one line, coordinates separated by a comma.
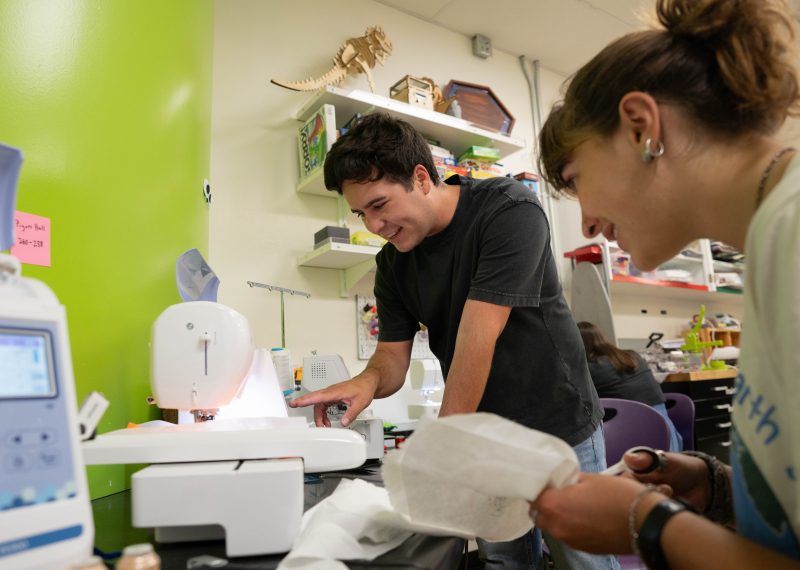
[(33, 239)]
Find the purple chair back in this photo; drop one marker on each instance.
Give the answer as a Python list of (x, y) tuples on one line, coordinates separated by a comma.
[(682, 415), (634, 424)]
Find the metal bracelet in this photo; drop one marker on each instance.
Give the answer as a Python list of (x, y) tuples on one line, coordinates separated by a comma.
[(649, 488)]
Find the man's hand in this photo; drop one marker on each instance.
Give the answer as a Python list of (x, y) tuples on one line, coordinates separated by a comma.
[(357, 393)]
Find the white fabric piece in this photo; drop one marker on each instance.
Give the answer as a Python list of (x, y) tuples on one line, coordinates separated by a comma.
[(472, 475), (355, 523), (467, 476)]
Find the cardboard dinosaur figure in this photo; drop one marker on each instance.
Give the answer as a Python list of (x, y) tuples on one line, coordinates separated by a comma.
[(357, 55)]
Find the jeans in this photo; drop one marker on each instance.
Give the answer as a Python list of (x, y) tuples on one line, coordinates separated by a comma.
[(675, 439), (525, 553)]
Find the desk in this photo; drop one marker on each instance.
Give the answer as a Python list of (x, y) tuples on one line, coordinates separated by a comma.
[(113, 531)]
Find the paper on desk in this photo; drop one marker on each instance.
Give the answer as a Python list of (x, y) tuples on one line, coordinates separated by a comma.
[(355, 523), (472, 475)]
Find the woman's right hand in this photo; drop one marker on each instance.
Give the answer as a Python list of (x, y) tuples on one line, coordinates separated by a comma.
[(685, 476)]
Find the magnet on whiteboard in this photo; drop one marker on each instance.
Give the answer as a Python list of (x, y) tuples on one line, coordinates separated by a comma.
[(207, 190)]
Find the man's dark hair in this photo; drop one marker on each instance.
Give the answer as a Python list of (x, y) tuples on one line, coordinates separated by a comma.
[(378, 146)]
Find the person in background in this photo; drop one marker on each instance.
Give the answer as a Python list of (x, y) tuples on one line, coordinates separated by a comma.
[(669, 135), (623, 374)]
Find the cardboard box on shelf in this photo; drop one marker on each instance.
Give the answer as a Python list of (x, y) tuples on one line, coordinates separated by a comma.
[(480, 154), (332, 231), (367, 238), (441, 161), (440, 152), (530, 180), (477, 175), (317, 136), (495, 168), (453, 170)]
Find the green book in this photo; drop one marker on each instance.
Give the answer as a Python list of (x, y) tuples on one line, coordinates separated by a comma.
[(316, 138)]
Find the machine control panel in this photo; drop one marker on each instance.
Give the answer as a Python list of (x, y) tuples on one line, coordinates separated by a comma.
[(35, 454)]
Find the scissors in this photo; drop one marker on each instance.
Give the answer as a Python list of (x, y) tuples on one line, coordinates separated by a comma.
[(659, 462)]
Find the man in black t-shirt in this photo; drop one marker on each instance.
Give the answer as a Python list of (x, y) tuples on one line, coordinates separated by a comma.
[(471, 260)]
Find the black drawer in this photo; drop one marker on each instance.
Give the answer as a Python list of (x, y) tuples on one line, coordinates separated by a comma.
[(718, 446), (717, 407), (712, 427), (701, 389)]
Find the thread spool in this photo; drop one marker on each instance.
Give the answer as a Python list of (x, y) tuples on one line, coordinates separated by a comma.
[(282, 358)]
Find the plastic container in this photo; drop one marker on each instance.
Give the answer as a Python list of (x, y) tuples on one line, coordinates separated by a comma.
[(282, 358), (620, 263), (139, 557)]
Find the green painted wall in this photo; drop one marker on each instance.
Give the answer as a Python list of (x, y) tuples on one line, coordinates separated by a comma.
[(111, 103)]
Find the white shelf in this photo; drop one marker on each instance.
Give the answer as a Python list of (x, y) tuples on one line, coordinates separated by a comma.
[(316, 185), (725, 267), (642, 290), (338, 256), (456, 135)]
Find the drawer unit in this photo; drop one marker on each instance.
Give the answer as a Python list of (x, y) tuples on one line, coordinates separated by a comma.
[(718, 446), (701, 389), (714, 408), (713, 403), (712, 427)]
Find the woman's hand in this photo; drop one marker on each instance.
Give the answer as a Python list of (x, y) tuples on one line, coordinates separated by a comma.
[(592, 515), (685, 476)]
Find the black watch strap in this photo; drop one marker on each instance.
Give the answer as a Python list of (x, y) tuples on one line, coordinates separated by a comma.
[(650, 533)]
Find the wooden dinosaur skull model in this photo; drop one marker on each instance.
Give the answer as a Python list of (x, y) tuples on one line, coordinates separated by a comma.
[(357, 55)]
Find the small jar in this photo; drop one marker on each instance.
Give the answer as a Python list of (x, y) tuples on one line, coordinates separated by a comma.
[(139, 557), (91, 563)]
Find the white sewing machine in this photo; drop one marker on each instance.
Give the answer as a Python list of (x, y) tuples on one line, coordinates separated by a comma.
[(323, 370), (45, 515), (241, 479), (426, 376)]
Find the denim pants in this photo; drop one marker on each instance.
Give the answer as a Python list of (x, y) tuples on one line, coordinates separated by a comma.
[(525, 553)]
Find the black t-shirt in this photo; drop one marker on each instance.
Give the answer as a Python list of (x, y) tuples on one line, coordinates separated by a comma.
[(496, 249), (639, 386)]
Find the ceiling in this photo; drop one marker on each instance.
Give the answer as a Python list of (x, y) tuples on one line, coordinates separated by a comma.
[(561, 34)]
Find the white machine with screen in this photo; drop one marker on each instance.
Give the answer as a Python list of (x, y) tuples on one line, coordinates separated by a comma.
[(323, 370), (45, 515)]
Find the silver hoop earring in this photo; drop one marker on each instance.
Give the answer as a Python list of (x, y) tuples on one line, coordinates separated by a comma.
[(648, 155)]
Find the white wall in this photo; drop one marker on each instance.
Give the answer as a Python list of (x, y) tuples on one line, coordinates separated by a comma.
[(259, 225)]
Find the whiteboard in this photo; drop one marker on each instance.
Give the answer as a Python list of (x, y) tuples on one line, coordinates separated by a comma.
[(367, 343)]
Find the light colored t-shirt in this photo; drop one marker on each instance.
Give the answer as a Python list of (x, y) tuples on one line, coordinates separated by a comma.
[(765, 451)]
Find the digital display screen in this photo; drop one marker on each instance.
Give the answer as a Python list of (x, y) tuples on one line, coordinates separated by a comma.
[(26, 364)]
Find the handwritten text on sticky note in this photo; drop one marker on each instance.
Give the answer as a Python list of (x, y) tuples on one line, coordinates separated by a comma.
[(33, 239)]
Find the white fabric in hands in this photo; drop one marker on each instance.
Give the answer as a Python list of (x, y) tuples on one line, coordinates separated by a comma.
[(472, 475), (467, 476)]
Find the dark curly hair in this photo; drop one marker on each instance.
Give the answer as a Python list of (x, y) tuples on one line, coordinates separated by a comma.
[(377, 146)]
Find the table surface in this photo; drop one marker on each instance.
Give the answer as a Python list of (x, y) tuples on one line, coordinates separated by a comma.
[(113, 531), (702, 375)]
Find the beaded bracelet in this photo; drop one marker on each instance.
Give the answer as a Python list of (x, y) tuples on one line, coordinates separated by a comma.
[(649, 488), (720, 507)]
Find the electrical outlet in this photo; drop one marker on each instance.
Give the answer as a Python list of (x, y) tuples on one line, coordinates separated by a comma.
[(482, 46)]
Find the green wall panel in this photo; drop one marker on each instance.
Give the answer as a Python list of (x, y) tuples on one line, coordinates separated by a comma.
[(111, 103)]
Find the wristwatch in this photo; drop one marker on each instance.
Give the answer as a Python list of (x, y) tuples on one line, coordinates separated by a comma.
[(650, 533)]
